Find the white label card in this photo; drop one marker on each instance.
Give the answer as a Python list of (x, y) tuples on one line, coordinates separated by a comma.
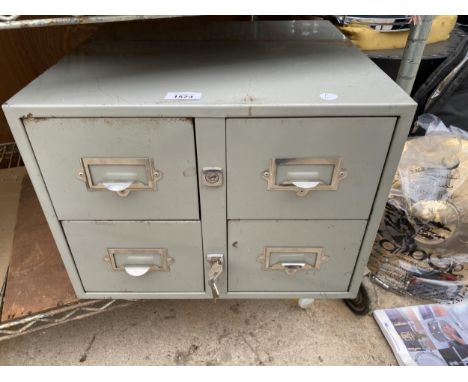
[(328, 96), (188, 96)]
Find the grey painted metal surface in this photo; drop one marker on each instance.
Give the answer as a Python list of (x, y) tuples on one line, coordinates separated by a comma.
[(361, 143), (210, 135), (89, 243), (238, 74), (393, 157), (60, 144), (305, 70), (340, 241)]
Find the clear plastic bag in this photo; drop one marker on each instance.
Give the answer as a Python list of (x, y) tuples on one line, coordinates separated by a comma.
[(422, 244)]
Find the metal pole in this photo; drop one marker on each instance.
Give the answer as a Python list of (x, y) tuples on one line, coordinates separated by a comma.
[(413, 53)]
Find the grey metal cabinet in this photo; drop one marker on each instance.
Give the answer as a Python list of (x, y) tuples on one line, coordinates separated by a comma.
[(243, 161)]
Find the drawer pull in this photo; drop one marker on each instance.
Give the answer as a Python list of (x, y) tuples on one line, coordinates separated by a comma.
[(119, 175), (302, 175), (293, 266), (292, 259), (136, 271), (117, 187), (306, 185), (137, 262)]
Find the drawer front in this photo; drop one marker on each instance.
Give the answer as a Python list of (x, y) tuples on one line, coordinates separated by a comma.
[(292, 256), (137, 256), (305, 168), (117, 168)]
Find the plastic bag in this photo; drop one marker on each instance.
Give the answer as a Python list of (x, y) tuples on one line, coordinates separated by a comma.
[(422, 244)]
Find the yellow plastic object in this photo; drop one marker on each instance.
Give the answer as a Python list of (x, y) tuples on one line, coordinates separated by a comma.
[(367, 38)]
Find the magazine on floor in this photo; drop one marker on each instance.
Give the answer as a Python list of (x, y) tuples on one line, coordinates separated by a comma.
[(427, 335)]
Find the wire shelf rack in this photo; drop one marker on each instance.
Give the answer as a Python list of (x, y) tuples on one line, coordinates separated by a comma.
[(19, 21), (10, 155), (61, 315)]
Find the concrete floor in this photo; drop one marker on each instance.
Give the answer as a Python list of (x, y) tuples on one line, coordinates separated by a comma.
[(199, 332)]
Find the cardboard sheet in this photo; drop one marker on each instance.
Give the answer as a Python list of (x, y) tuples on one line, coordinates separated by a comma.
[(37, 280)]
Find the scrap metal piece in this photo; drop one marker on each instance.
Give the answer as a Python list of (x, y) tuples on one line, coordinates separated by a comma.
[(413, 53)]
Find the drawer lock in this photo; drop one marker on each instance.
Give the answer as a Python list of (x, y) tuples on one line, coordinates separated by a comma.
[(212, 176), (215, 268)]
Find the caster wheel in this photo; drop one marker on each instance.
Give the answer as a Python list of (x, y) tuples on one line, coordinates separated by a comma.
[(305, 303), (361, 304)]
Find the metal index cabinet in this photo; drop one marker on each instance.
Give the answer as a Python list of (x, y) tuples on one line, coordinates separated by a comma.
[(245, 160)]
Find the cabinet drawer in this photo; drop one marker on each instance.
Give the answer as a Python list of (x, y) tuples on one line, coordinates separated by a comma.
[(292, 256), (137, 256), (305, 168), (117, 168)]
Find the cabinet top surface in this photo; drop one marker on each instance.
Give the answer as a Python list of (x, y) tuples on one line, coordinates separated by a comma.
[(235, 66)]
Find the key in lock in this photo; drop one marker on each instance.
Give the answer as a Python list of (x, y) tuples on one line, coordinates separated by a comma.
[(215, 268)]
